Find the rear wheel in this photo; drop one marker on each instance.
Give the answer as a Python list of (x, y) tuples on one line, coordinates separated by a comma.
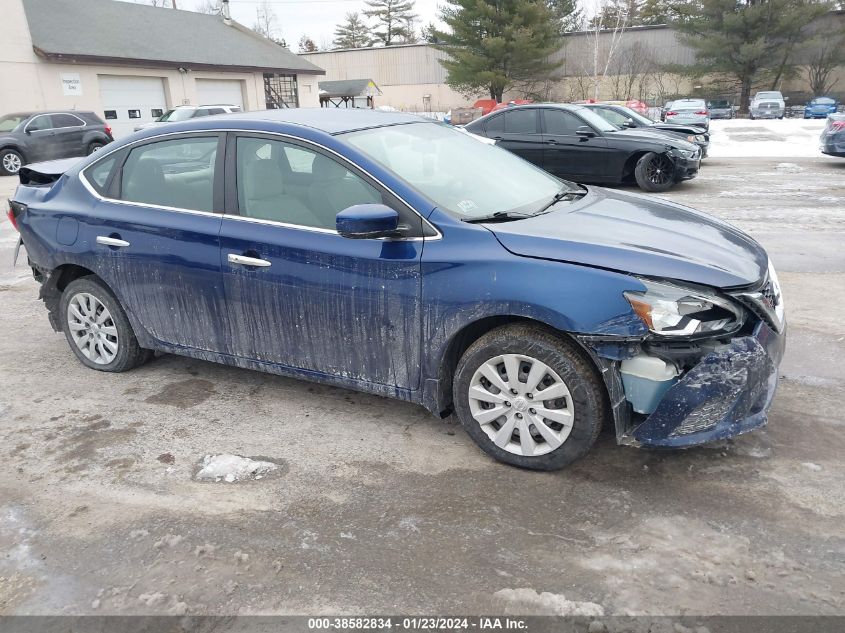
[(11, 162), (95, 146), (655, 172), (97, 329), (529, 398)]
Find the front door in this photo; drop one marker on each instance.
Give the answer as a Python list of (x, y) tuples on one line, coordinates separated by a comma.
[(298, 293), (41, 139), (156, 237), (518, 130), (568, 155)]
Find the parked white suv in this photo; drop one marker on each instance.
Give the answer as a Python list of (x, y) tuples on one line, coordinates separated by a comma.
[(185, 112), (768, 104)]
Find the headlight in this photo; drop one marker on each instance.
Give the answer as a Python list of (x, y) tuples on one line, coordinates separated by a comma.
[(685, 153), (673, 310), (700, 138)]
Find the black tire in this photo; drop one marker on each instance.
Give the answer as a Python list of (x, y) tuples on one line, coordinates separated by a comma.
[(129, 354), (588, 397), (648, 179), (93, 147), (10, 156)]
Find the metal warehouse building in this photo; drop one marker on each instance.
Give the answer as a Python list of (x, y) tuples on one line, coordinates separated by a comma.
[(130, 63), (411, 78)]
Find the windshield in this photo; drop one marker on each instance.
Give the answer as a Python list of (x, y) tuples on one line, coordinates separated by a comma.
[(769, 95), (457, 172), (823, 101), (11, 121), (689, 104), (596, 121), (719, 104), (633, 114), (177, 114)]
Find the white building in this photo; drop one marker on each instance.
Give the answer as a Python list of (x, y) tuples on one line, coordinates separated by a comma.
[(129, 63)]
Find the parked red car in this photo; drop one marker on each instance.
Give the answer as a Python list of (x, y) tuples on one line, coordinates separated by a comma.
[(490, 105)]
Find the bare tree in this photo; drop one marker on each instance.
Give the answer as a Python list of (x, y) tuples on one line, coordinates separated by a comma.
[(209, 7), (630, 70), (266, 22), (617, 28), (824, 54)]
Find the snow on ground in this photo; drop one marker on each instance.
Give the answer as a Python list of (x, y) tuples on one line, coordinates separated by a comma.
[(744, 138), (231, 468)]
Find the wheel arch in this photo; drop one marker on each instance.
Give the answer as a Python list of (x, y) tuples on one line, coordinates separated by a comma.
[(54, 284), (13, 146), (631, 163), (471, 332)]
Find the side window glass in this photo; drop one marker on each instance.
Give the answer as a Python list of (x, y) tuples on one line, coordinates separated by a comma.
[(562, 123), (42, 122), (177, 173), (200, 112), (518, 121), (294, 185), (496, 124), (98, 174), (65, 120), (216, 111)]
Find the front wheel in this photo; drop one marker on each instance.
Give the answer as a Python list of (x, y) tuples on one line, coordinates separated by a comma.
[(655, 172), (11, 162), (529, 398), (97, 329)]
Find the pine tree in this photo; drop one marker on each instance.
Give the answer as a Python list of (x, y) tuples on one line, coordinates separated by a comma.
[(353, 33), (746, 40), (495, 45), (307, 45), (392, 20)]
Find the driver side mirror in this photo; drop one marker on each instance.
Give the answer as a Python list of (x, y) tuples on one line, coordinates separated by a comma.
[(585, 132), (629, 123), (368, 221)]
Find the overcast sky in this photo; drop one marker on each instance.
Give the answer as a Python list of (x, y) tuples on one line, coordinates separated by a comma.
[(315, 18)]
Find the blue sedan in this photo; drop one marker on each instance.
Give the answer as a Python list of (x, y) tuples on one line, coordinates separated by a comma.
[(819, 108), (399, 256)]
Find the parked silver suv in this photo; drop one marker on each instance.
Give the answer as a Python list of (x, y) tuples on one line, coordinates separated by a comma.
[(185, 112), (768, 104)]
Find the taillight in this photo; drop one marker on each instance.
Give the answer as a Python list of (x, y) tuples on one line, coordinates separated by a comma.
[(702, 112), (671, 114), (108, 130), (11, 215), (837, 126), (15, 211)]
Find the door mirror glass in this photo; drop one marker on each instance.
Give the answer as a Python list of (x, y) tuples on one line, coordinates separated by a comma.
[(368, 221), (585, 131), (629, 122)]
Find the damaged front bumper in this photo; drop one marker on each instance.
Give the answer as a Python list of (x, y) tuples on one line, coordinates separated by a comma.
[(727, 393)]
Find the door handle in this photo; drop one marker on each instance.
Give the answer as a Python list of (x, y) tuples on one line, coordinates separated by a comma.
[(111, 241), (551, 141), (243, 260)]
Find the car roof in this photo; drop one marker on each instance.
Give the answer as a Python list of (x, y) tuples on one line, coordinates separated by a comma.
[(329, 120)]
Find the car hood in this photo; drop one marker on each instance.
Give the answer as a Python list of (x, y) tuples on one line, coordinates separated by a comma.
[(679, 127), (645, 134), (641, 235)]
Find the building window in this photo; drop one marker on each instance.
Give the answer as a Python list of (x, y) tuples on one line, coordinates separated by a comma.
[(156, 112), (134, 114), (110, 114), (280, 91)]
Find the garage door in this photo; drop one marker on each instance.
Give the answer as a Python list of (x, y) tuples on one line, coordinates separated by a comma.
[(128, 101), (220, 91)]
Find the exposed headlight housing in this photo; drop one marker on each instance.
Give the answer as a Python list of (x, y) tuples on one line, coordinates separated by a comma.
[(673, 310), (685, 153)]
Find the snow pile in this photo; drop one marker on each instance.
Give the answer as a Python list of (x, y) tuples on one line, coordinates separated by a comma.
[(231, 468), (744, 138), (553, 603)]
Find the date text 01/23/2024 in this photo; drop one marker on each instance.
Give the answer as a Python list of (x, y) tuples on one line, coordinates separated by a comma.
[(419, 623)]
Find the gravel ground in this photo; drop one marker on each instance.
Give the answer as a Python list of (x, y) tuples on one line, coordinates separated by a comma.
[(375, 506)]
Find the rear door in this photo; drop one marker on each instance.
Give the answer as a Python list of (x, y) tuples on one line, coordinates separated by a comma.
[(568, 155), (300, 294), (155, 236), (518, 130)]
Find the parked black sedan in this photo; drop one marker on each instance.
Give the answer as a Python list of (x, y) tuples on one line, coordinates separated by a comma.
[(30, 137), (623, 118), (573, 142)]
